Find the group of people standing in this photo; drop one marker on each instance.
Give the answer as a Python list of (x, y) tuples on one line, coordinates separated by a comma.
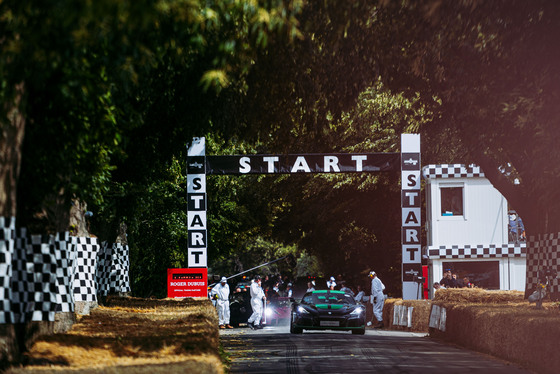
[(450, 280), (220, 293)]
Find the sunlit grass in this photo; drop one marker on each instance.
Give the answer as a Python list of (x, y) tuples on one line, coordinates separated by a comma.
[(170, 334)]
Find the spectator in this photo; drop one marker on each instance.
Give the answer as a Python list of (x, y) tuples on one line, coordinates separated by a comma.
[(360, 294), (289, 292), (310, 286), (516, 229), (331, 283), (448, 281), (438, 286), (467, 283), (346, 289)]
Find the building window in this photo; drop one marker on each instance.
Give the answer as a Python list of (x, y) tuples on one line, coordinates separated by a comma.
[(482, 274), (451, 201)]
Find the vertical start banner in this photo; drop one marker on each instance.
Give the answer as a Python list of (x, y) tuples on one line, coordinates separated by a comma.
[(411, 219), (196, 204)]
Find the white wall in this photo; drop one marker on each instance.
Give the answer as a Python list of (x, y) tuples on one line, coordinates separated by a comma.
[(512, 273), (484, 219)]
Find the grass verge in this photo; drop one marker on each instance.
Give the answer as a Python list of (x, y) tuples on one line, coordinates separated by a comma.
[(131, 335)]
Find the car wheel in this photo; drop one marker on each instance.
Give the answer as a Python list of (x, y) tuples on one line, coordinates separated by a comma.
[(359, 332), (293, 329)]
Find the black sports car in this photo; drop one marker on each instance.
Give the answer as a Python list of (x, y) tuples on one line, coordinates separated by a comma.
[(328, 310)]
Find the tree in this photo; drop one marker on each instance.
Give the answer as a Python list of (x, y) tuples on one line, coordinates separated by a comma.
[(493, 67), (489, 65), (89, 79)]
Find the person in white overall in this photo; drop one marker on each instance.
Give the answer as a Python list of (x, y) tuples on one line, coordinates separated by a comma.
[(377, 299), (220, 293), (257, 300)]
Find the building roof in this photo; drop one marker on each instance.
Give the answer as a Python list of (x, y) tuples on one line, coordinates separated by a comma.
[(452, 171)]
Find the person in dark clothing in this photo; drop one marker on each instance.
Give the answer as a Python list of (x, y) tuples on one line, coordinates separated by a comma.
[(449, 280)]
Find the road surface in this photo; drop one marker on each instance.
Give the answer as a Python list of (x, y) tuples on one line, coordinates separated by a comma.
[(275, 350)]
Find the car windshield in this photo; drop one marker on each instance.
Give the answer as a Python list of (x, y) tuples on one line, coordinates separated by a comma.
[(325, 297)]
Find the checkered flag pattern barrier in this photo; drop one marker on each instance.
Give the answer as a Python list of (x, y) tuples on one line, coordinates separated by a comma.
[(84, 277), (121, 264), (65, 260), (543, 253), (452, 171), (42, 275), (103, 272), (42, 303), (112, 269), (478, 251), (33, 280), (19, 283), (7, 232)]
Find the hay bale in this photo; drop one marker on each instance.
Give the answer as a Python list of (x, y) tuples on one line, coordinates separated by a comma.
[(420, 314), (477, 295), (516, 332), (136, 302)]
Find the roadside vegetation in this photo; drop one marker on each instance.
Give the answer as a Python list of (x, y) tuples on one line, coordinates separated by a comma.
[(100, 100), (131, 335)]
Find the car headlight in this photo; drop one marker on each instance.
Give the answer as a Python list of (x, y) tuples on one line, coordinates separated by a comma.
[(269, 312), (302, 310), (356, 312)]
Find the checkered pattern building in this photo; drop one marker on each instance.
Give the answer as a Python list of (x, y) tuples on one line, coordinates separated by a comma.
[(477, 251), (452, 171), (543, 252), (84, 284), (7, 232)]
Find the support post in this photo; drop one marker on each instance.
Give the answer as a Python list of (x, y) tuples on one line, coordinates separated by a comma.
[(411, 215)]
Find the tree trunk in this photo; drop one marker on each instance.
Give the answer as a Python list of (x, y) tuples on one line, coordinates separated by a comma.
[(534, 216), (77, 220), (11, 140)]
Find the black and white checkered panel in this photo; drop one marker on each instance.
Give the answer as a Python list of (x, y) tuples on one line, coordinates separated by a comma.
[(452, 171), (121, 266), (84, 272), (65, 260), (113, 265), (42, 276), (7, 234), (477, 251), (103, 272), (543, 253), (20, 282)]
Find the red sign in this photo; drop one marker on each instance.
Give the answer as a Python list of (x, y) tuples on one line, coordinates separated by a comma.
[(190, 282)]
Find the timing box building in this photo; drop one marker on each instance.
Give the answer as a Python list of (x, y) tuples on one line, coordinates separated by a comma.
[(467, 230)]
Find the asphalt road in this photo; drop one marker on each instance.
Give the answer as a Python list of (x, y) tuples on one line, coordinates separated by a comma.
[(275, 350)]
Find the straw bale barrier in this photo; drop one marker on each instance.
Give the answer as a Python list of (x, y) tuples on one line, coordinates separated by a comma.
[(417, 310), (502, 324), (132, 335)]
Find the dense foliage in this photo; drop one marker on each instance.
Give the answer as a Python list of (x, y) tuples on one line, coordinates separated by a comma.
[(109, 92)]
